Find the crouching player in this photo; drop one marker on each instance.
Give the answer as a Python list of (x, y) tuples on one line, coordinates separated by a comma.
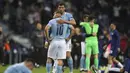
[(24, 67)]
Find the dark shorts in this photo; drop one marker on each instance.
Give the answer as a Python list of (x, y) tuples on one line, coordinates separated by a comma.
[(114, 51)]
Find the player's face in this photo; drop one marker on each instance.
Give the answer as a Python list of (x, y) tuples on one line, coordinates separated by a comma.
[(92, 21), (30, 65), (86, 19), (61, 8), (56, 15), (39, 26), (112, 26), (104, 32)]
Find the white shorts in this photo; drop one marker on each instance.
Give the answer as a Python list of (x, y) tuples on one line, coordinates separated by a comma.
[(83, 48), (57, 49), (68, 46)]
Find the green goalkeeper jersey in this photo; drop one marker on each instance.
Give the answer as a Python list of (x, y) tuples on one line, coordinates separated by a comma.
[(90, 30)]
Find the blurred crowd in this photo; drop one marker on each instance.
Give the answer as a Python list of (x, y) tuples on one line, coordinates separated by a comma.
[(29, 17)]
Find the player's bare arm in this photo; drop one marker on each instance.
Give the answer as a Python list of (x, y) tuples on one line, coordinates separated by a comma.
[(72, 22), (47, 32), (71, 34)]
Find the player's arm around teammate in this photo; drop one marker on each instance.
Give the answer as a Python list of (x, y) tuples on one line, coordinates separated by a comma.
[(82, 60), (91, 43), (71, 20)]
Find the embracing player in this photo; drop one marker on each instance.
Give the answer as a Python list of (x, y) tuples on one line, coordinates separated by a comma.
[(82, 60), (57, 47), (68, 19), (91, 43)]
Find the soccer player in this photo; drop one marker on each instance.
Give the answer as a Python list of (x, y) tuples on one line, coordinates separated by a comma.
[(91, 42), (24, 67), (67, 18), (57, 48), (125, 69), (115, 44), (82, 60)]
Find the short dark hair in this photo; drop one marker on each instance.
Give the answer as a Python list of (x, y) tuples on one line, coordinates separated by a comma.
[(91, 17), (85, 15), (29, 60), (61, 4), (114, 23), (58, 11)]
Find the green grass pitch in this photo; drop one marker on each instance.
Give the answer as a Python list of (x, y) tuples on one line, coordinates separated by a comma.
[(39, 70)]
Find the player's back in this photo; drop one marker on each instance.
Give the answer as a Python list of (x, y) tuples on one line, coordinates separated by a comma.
[(58, 31), (17, 68)]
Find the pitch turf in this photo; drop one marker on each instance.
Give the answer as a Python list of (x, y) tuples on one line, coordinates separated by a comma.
[(39, 70)]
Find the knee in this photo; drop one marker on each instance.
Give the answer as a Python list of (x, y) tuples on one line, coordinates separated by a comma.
[(110, 58), (96, 56), (60, 62), (88, 55), (68, 54), (49, 60)]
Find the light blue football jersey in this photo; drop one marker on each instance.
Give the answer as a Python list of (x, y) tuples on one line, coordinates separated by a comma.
[(58, 31), (67, 16), (18, 68)]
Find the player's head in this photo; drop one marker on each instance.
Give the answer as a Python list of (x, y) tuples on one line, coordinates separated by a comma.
[(57, 14), (29, 63), (61, 6), (85, 18), (112, 26), (105, 31), (91, 18), (39, 26)]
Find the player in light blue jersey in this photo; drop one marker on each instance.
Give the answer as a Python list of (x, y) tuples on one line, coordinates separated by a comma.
[(57, 47), (24, 67), (68, 19)]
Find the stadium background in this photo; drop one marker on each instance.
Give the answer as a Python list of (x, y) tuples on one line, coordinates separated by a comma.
[(18, 18)]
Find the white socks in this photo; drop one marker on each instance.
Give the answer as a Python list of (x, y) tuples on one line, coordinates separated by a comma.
[(114, 69), (120, 65)]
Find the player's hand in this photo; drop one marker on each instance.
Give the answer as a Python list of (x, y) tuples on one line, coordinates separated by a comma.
[(67, 39), (94, 34), (46, 44), (77, 44), (60, 21)]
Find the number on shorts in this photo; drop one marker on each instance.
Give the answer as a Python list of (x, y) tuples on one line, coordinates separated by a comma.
[(59, 30)]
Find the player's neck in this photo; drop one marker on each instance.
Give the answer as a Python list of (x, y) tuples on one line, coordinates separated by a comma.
[(91, 24), (63, 13)]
